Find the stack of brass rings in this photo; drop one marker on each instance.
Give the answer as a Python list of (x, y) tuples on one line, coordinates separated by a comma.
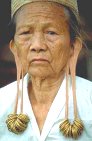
[(75, 128), (72, 130), (17, 123)]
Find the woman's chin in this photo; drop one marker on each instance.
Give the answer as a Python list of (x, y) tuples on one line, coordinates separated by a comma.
[(39, 73)]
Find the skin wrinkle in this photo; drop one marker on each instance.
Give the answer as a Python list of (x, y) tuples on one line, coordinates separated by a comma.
[(47, 9), (47, 76), (28, 43), (44, 8), (45, 24), (75, 25)]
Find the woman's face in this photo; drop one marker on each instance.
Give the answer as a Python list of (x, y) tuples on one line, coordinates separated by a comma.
[(42, 39)]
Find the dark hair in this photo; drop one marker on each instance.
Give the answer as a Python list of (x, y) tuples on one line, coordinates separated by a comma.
[(77, 28), (11, 29)]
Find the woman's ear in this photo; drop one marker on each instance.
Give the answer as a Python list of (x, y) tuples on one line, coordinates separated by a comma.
[(77, 46), (12, 47)]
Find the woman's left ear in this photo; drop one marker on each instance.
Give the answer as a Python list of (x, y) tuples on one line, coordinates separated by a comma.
[(77, 46)]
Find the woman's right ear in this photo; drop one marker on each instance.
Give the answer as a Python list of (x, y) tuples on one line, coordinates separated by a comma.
[(14, 51), (12, 47)]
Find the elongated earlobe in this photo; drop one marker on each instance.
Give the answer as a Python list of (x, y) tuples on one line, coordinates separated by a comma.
[(75, 129), (17, 123), (78, 124), (17, 60)]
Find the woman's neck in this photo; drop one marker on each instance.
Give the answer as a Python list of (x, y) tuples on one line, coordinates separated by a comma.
[(43, 91)]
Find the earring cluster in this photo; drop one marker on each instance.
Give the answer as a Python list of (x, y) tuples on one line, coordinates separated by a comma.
[(17, 123), (74, 129)]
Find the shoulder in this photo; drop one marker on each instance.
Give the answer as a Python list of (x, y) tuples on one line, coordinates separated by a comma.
[(11, 89), (7, 96), (83, 88), (83, 81), (83, 85), (8, 90), (84, 97)]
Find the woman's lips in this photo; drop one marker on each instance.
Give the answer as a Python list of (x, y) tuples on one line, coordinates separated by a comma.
[(39, 60)]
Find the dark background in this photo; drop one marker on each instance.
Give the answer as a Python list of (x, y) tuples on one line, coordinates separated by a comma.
[(7, 65)]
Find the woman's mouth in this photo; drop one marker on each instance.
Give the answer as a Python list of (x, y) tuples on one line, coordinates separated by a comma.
[(39, 60)]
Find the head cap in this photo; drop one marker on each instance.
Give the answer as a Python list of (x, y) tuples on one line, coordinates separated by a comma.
[(71, 4)]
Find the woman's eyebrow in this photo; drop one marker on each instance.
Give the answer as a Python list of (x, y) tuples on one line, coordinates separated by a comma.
[(21, 27)]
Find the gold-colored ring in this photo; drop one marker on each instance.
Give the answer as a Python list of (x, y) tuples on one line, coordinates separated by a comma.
[(72, 130), (17, 123)]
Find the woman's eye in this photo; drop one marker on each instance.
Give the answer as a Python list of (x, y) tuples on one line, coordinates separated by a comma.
[(51, 33), (25, 32)]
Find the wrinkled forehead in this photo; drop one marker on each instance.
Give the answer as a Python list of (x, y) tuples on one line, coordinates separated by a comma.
[(42, 8)]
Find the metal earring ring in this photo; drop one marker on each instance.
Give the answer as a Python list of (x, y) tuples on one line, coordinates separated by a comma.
[(72, 130), (17, 123)]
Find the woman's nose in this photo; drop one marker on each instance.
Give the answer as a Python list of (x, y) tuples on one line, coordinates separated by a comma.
[(38, 44)]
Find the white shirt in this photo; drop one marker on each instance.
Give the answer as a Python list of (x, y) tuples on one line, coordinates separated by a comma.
[(56, 114)]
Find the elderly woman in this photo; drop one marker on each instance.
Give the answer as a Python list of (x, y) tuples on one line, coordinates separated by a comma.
[(49, 103)]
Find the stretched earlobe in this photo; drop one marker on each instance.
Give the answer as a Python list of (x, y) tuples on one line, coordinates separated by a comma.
[(17, 123), (14, 51), (72, 67), (75, 129)]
